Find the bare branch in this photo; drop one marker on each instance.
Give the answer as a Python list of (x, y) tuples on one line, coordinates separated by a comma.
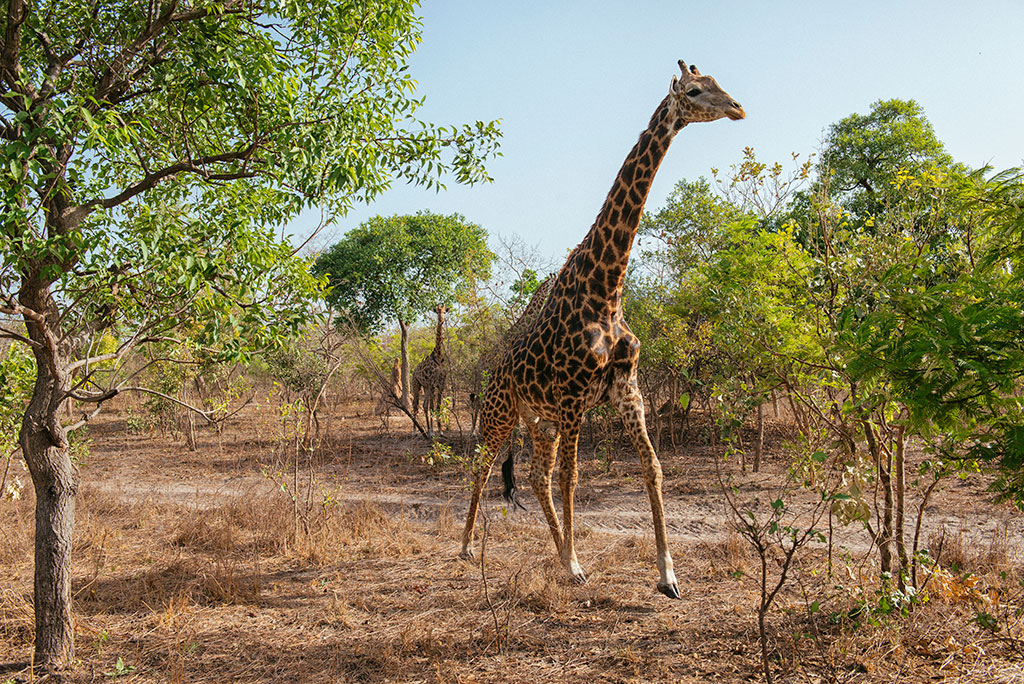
[(209, 415), (85, 419), (94, 398), (11, 335)]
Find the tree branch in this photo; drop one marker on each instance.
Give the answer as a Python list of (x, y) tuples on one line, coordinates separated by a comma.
[(11, 335), (13, 308), (151, 180)]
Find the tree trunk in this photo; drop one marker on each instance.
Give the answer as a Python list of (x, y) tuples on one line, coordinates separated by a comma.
[(899, 474), (673, 402), (44, 446), (883, 466), (406, 400), (190, 422), (759, 442)]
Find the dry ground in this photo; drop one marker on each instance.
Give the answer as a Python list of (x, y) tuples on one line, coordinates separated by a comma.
[(200, 567)]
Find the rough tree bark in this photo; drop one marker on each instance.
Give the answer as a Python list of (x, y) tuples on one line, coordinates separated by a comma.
[(44, 446)]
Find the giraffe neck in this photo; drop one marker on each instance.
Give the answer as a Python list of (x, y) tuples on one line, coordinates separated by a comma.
[(438, 352), (603, 256)]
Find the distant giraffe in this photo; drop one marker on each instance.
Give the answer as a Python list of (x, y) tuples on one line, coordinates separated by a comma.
[(580, 353), (429, 376)]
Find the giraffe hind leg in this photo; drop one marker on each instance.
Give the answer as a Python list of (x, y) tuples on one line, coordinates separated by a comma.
[(494, 432), (568, 475), (542, 465)]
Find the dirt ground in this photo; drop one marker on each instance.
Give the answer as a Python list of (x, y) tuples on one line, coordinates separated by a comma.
[(220, 565)]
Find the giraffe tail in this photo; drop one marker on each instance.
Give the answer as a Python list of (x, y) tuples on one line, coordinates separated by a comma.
[(509, 480)]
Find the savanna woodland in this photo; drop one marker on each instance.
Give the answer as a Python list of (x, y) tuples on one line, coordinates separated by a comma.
[(224, 457)]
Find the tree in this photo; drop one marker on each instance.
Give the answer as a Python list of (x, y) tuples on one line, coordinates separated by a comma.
[(149, 152), (688, 229), (399, 268), (863, 153)]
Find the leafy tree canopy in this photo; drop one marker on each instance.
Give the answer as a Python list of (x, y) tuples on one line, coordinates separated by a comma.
[(689, 227), (863, 153), (401, 267)]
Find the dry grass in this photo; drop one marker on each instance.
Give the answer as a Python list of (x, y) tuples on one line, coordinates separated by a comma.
[(361, 589), (960, 550)]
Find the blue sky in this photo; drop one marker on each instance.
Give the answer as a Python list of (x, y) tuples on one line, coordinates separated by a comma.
[(574, 83)]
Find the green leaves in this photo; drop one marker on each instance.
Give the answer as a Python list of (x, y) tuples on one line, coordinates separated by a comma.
[(401, 267), (864, 153)]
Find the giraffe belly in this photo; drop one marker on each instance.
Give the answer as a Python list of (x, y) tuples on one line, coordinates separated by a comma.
[(568, 395)]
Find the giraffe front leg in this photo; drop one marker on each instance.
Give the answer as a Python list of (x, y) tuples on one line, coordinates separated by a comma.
[(630, 404), (568, 475)]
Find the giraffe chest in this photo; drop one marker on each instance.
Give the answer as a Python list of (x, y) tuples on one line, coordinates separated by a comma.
[(572, 364)]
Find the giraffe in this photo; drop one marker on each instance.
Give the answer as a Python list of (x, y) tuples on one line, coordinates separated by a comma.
[(489, 360), (579, 353), (429, 376)]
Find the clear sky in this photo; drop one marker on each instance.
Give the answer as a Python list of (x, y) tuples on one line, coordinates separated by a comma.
[(574, 83)]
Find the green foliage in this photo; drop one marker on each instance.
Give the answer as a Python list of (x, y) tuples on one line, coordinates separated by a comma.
[(523, 287), (863, 154), (440, 455), (17, 373), (689, 228), (153, 152), (313, 97), (401, 267)]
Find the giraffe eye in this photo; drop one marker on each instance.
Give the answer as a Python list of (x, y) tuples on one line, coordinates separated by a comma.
[(693, 92)]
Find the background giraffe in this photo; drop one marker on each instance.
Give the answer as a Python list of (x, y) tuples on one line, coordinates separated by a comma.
[(429, 377), (579, 353)]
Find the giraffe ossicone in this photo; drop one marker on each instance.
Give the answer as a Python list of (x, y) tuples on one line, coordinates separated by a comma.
[(578, 352)]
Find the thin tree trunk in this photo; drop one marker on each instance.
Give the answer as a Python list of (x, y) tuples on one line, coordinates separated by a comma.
[(899, 475), (672, 403), (190, 422), (883, 464), (759, 441), (406, 401)]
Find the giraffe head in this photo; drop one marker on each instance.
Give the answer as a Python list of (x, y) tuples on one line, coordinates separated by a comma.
[(440, 311), (699, 98)]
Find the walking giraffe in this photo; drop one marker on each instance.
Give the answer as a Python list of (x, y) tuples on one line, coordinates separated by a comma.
[(579, 353), (429, 376)]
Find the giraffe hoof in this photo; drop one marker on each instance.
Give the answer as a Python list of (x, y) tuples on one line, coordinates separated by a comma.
[(576, 574), (670, 590), (467, 554)]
